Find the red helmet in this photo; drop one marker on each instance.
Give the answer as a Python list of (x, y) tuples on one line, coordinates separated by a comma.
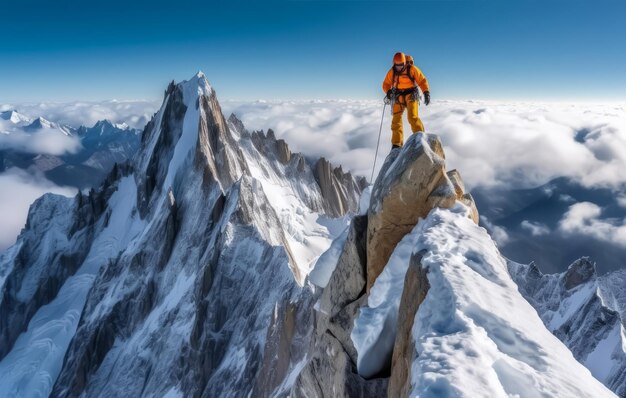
[(399, 58)]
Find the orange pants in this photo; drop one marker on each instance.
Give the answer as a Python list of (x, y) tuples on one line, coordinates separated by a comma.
[(397, 133)]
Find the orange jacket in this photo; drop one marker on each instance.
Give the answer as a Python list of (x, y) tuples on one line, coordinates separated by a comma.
[(403, 81)]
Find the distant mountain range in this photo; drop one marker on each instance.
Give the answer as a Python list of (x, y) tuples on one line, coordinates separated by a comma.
[(89, 156)]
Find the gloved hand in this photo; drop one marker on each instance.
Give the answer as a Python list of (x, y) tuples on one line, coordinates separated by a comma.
[(388, 96), (426, 97)]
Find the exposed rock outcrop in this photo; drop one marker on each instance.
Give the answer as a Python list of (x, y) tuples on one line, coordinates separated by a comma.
[(579, 272), (415, 288), (411, 182), (332, 182), (331, 368)]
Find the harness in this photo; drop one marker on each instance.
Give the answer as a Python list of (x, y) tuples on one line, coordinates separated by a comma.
[(400, 94)]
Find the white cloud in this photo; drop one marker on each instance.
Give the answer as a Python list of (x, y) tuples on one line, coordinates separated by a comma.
[(507, 144), (19, 190), (535, 228), (134, 113), (584, 218), (45, 141), (498, 233)]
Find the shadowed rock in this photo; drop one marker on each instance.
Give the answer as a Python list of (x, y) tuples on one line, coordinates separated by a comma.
[(415, 288), (579, 272), (332, 182), (331, 368)]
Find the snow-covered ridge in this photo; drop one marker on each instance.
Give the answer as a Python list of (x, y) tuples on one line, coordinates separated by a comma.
[(443, 316), (474, 334)]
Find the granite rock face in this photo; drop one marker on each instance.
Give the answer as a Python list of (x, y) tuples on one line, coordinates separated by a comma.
[(411, 182), (332, 182), (415, 289), (331, 368)]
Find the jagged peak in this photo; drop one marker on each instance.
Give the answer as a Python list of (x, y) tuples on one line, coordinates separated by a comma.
[(40, 123), (271, 135), (579, 272), (103, 123), (195, 87), (106, 125), (238, 124), (14, 116)]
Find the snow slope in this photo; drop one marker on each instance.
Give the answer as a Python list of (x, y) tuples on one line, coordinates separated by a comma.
[(35, 361), (474, 334)]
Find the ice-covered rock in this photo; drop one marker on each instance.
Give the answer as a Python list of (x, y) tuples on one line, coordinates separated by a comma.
[(330, 369)]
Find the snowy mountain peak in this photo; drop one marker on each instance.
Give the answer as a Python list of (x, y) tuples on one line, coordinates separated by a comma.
[(195, 253), (198, 84), (15, 117), (41, 124), (102, 124)]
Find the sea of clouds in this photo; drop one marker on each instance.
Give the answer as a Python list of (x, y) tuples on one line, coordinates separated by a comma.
[(493, 144), (48, 141), (504, 144)]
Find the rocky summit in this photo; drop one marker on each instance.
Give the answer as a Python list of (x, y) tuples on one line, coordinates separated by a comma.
[(217, 263), (411, 182)]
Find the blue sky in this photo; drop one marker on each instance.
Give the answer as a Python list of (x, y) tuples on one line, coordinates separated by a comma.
[(540, 50)]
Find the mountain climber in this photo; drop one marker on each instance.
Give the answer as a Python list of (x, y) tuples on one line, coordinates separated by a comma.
[(401, 86)]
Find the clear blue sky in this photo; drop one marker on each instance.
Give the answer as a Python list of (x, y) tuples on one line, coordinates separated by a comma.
[(507, 49)]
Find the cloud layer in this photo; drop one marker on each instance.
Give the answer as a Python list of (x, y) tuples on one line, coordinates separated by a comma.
[(586, 218), (51, 142), (19, 190), (492, 144)]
